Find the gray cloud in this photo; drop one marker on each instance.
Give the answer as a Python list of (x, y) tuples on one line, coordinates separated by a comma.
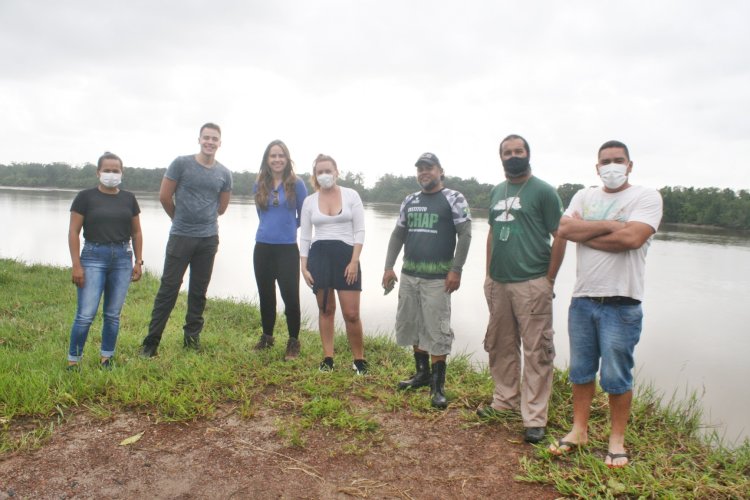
[(376, 83)]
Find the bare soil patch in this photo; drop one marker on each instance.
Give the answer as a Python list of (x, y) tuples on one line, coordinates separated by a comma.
[(229, 457)]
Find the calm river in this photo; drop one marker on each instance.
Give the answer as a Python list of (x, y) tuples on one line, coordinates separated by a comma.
[(697, 308)]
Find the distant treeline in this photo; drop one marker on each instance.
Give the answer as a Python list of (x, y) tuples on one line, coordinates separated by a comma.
[(703, 206)]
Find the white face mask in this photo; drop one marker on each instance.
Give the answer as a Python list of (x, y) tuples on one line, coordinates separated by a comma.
[(326, 181), (110, 179), (614, 175)]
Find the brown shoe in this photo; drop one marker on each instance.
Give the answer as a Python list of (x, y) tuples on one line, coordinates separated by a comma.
[(265, 342), (292, 349)]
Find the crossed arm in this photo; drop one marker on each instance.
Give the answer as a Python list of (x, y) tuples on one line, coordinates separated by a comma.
[(605, 235)]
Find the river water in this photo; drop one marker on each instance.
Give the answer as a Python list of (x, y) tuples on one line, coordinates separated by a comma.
[(696, 334)]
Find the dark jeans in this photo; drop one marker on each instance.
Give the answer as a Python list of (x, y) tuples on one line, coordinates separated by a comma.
[(278, 263), (183, 251)]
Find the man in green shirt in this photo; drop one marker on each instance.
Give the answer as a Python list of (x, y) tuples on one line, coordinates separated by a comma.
[(521, 269)]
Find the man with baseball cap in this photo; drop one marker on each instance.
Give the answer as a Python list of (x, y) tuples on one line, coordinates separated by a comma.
[(434, 227)]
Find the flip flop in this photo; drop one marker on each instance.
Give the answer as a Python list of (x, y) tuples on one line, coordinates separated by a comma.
[(558, 450), (615, 456)]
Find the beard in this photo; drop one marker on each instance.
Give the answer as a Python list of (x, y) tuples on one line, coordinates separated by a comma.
[(429, 185)]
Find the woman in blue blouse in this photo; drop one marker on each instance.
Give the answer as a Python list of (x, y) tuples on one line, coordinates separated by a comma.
[(278, 200)]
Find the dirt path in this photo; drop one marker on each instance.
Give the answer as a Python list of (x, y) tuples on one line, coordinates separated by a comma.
[(228, 457)]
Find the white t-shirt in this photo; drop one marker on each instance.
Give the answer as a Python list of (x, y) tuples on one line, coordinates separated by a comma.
[(347, 226), (609, 274)]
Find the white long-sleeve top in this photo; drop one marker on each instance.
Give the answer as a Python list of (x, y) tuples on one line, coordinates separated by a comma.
[(347, 226)]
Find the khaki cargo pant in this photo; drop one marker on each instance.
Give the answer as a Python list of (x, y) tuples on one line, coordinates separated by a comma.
[(521, 317)]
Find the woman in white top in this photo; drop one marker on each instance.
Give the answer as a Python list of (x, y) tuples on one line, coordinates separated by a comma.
[(331, 262)]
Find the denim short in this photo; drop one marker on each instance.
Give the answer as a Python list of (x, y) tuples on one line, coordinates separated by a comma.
[(608, 332)]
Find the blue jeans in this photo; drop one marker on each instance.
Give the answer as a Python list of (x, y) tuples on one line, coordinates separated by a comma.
[(182, 251), (606, 331), (107, 269)]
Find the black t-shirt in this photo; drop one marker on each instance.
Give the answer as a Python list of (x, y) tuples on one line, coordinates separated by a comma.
[(431, 220), (107, 218)]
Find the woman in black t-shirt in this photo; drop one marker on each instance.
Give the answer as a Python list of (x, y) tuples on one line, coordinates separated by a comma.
[(109, 219)]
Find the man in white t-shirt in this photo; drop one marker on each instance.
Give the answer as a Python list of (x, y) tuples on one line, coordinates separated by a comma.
[(613, 227)]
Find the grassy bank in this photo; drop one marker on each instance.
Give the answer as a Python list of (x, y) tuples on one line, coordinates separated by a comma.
[(37, 304)]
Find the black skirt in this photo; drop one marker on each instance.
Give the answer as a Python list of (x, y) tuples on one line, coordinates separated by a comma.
[(327, 262)]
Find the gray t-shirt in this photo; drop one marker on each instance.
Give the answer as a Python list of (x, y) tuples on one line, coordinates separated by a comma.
[(197, 196)]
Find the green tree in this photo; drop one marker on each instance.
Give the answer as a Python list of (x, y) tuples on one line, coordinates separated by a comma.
[(353, 181), (566, 192), (706, 206)]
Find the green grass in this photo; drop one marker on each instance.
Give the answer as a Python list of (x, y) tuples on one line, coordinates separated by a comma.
[(670, 458)]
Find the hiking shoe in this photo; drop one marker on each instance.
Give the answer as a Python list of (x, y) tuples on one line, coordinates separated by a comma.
[(326, 365), (359, 366), (148, 350), (292, 349), (106, 364), (533, 434), (265, 342)]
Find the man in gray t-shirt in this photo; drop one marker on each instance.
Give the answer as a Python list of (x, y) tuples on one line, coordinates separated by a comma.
[(195, 190)]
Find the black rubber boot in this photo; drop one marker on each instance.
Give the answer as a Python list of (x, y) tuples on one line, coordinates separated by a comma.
[(437, 388), (422, 377)]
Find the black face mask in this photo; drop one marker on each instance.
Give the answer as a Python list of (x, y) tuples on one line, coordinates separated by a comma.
[(515, 166)]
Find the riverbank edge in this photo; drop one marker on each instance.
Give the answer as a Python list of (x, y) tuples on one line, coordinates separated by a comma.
[(668, 452)]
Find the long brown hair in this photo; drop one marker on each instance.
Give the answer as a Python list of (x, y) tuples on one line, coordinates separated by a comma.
[(321, 157), (265, 178)]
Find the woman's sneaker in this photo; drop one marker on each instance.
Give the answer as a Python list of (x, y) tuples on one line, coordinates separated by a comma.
[(359, 366), (326, 365)]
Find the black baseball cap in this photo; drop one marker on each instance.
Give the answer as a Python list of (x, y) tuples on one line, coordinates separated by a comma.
[(429, 159)]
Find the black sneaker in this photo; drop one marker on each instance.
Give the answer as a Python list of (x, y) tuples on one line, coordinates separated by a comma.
[(107, 364), (192, 343), (148, 350), (359, 366), (326, 365), (533, 434), (75, 367)]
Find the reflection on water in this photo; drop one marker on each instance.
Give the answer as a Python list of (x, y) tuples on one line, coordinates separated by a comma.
[(708, 235), (696, 313)]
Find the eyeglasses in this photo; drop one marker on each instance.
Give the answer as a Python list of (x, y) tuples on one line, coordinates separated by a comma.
[(275, 197)]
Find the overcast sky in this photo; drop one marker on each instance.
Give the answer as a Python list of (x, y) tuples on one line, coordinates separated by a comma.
[(376, 83)]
